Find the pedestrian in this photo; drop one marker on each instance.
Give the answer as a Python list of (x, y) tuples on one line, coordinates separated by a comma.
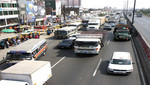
[(29, 36), (36, 36), (18, 41), (14, 41), (7, 44)]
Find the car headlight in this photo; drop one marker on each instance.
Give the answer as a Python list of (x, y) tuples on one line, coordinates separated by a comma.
[(110, 69)]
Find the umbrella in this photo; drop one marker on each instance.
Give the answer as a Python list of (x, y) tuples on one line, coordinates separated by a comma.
[(8, 30)]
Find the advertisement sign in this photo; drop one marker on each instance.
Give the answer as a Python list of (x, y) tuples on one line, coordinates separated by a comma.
[(30, 11), (39, 9), (58, 7)]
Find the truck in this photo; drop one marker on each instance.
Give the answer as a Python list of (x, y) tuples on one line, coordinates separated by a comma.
[(122, 33), (27, 73), (90, 42)]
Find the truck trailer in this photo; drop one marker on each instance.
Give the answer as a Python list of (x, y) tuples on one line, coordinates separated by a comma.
[(27, 73)]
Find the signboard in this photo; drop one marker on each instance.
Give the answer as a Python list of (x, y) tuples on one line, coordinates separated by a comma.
[(7, 1), (58, 7), (39, 9), (30, 11)]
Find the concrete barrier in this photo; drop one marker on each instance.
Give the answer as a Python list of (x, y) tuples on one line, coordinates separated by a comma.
[(143, 51)]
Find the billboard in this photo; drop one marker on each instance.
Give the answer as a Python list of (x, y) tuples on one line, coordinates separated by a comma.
[(30, 11), (39, 9)]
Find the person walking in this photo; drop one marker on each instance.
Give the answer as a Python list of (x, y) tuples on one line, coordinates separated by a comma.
[(7, 44), (18, 41)]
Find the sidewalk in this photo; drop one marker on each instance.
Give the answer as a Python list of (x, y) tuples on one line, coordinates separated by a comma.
[(3, 52)]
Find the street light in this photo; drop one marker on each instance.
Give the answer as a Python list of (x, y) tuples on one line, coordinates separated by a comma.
[(133, 11)]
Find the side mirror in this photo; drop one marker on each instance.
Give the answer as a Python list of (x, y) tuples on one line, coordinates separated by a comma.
[(133, 63), (108, 61)]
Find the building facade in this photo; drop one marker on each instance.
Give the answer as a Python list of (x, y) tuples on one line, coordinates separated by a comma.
[(8, 14)]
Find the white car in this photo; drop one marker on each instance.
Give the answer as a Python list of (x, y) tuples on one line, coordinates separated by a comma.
[(120, 63)]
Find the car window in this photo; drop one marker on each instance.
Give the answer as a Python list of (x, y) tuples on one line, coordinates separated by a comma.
[(121, 61)]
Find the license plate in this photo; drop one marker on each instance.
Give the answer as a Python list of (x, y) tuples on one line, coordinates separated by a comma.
[(122, 37), (119, 72)]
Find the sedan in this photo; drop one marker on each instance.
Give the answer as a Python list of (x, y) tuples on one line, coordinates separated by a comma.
[(107, 27), (66, 43)]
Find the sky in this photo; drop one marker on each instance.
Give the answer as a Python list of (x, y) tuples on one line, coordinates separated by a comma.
[(119, 4)]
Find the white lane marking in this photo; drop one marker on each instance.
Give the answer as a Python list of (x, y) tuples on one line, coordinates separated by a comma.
[(97, 67), (58, 61), (108, 42)]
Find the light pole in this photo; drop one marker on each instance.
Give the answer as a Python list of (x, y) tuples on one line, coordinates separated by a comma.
[(133, 12)]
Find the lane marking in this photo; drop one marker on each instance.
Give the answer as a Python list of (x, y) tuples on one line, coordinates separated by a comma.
[(97, 68), (58, 62), (108, 42)]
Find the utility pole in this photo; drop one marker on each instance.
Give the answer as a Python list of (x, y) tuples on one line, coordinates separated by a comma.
[(133, 12), (64, 11)]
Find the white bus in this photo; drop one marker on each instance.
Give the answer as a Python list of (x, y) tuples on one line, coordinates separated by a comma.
[(28, 50), (65, 32), (78, 25)]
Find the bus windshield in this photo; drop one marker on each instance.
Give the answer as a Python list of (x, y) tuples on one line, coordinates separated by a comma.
[(19, 56), (62, 32), (86, 44)]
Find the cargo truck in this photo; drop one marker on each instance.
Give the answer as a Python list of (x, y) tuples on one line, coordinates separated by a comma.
[(27, 73), (90, 42)]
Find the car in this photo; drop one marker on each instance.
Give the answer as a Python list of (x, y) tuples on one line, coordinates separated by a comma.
[(112, 23), (120, 63), (66, 43), (139, 15), (107, 27)]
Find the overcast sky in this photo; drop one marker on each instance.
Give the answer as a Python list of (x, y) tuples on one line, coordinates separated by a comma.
[(114, 3)]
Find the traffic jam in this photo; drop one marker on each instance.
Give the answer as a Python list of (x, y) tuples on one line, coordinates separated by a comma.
[(86, 37)]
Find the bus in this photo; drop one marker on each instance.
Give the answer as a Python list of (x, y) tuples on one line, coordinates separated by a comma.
[(65, 32), (31, 49), (78, 25)]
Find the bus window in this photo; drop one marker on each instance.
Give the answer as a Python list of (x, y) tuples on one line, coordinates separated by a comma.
[(19, 56)]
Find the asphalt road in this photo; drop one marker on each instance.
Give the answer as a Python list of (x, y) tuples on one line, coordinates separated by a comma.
[(81, 70), (69, 69), (142, 24)]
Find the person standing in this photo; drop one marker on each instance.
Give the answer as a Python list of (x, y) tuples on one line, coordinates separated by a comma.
[(18, 41)]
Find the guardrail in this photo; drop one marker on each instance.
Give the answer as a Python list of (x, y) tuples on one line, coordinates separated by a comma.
[(143, 50)]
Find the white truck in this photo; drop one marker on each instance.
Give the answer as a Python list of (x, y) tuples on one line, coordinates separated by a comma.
[(27, 73), (90, 42)]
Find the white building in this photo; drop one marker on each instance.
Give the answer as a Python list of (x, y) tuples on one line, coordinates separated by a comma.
[(8, 14)]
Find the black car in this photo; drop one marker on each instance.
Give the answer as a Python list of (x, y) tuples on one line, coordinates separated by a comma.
[(66, 43)]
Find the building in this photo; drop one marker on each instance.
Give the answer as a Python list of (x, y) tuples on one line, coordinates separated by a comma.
[(8, 14)]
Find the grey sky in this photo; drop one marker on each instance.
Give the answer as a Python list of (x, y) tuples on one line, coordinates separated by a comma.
[(114, 3)]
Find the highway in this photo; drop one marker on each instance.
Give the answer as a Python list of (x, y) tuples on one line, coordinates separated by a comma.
[(142, 24), (69, 69)]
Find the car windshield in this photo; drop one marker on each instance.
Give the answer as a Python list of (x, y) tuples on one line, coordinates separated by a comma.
[(123, 31), (86, 44), (121, 61), (93, 24), (66, 41), (62, 32), (19, 56)]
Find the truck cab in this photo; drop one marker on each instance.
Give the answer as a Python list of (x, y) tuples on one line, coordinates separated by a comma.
[(122, 35)]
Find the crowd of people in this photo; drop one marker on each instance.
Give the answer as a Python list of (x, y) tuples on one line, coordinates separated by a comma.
[(17, 40)]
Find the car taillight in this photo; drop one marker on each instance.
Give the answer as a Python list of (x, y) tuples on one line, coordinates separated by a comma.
[(74, 48), (96, 48)]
